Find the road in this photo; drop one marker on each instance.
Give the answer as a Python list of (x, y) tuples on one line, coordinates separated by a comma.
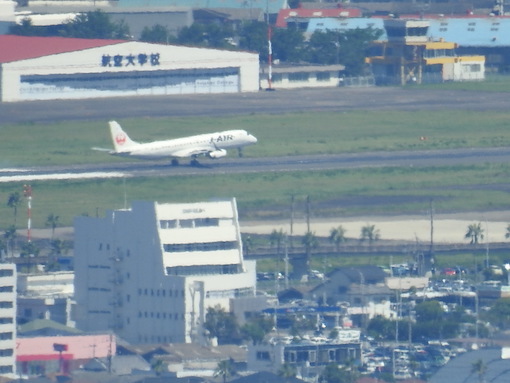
[(278, 102)]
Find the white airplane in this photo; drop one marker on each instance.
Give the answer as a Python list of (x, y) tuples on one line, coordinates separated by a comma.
[(212, 145)]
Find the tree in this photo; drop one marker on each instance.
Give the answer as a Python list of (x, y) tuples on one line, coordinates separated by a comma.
[(58, 247), (3, 249), (507, 234), (13, 202), (474, 233), (10, 236), (310, 242), (247, 244), (480, 369), (257, 329), (337, 236), (29, 249), (225, 369), (206, 35), (345, 47), (52, 221), (381, 328), (221, 325), (276, 238), (499, 313), (253, 37), (95, 25), (288, 45), (370, 234), (157, 34), (26, 28), (287, 371), (332, 373), (354, 44)]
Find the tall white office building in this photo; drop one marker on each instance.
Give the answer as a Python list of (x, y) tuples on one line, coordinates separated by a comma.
[(150, 272), (8, 320)]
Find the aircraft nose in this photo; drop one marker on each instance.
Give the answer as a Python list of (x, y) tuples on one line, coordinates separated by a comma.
[(253, 138)]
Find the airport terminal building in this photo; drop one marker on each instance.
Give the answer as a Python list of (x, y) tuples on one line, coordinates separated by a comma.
[(48, 68)]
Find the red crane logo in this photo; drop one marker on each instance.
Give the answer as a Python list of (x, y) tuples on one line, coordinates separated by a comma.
[(120, 139)]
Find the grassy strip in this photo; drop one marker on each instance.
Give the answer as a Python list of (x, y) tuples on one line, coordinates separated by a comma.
[(267, 195), (279, 135)]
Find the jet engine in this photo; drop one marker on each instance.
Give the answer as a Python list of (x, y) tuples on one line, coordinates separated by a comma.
[(217, 153)]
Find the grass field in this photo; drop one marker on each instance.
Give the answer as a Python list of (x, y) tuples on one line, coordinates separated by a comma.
[(267, 196)]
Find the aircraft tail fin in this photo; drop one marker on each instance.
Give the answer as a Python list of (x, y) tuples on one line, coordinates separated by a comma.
[(120, 139)]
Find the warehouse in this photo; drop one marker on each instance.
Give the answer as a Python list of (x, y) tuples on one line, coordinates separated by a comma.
[(46, 68)]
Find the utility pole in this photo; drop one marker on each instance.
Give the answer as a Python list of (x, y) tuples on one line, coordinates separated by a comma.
[(27, 192)]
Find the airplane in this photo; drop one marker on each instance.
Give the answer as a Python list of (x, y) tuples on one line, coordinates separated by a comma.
[(212, 145)]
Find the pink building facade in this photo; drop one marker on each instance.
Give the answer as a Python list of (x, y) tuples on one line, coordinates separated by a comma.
[(61, 354)]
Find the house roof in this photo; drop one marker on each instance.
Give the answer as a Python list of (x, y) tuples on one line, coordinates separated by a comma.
[(338, 12), (46, 327), (265, 377), (460, 369), (15, 48)]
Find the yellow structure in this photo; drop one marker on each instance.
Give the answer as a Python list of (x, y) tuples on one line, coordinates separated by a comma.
[(409, 56)]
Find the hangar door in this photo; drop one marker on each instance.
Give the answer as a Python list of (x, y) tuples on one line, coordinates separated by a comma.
[(77, 85)]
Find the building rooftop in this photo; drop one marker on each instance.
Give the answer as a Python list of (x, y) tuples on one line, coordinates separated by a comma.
[(15, 48)]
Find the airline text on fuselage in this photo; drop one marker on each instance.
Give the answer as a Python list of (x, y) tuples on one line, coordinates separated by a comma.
[(222, 138)]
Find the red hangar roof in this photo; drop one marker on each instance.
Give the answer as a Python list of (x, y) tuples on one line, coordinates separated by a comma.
[(15, 48)]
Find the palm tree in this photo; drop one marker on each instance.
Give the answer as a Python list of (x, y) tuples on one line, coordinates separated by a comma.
[(310, 242), (13, 202), (52, 221), (10, 236), (29, 249), (474, 233), (370, 234), (479, 368), (276, 238), (247, 244), (507, 234), (58, 247), (224, 369), (3, 249), (337, 236)]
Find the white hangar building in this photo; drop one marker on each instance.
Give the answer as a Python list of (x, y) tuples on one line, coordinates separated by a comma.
[(150, 272), (46, 68)]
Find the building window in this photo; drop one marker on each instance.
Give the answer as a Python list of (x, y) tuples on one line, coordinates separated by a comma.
[(5, 335), (263, 355), (6, 305), (6, 352), (6, 289), (6, 273), (323, 76), (299, 76), (10, 320)]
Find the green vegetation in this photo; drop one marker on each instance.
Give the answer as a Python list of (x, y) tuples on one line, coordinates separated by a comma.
[(279, 135), (493, 83), (267, 195)]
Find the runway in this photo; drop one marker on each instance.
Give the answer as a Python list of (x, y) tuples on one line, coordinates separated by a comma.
[(233, 165)]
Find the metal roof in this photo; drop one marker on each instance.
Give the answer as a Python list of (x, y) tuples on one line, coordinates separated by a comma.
[(460, 369), (15, 48), (465, 31), (273, 6)]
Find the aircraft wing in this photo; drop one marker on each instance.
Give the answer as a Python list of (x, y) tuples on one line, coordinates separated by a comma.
[(189, 152), (102, 149)]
